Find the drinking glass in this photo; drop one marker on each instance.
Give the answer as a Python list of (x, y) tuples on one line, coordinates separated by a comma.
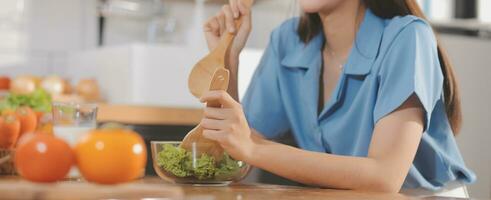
[(72, 121)]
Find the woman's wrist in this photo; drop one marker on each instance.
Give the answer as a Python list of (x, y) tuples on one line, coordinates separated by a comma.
[(252, 151), (233, 62)]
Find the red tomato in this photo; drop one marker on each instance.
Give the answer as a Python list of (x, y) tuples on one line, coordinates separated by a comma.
[(9, 130), (28, 119), (111, 155), (4, 83), (43, 158)]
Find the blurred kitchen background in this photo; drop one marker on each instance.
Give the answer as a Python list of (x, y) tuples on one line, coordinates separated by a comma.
[(140, 52)]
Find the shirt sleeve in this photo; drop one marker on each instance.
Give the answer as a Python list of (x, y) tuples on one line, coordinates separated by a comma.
[(262, 102), (411, 66)]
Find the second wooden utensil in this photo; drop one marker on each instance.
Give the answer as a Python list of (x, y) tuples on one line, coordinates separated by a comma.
[(194, 141)]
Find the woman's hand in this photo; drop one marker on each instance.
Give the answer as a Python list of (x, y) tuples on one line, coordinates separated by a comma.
[(227, 125), (224, 21)]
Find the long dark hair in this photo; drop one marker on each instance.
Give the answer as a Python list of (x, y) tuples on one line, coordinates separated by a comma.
[(310, 25)]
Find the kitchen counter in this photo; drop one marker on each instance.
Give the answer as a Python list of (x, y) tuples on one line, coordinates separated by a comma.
[(155, 188), (148, 115)]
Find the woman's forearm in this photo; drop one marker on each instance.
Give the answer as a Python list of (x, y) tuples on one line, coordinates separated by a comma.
[(392, 149), (394, 143), (322, 169)]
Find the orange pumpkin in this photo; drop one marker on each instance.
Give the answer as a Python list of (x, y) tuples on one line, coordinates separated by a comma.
[(112, 155)]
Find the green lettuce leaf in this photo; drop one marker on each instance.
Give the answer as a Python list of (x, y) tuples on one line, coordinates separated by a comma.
[(39, 100), (179, 162), (205, 167), (227, 167), (174, 160)]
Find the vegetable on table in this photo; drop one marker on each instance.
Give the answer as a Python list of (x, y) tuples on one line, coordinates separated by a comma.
[(42, 157), (9, 131), (111, 155), (28, 119), (175, 160), (55, 85), (4, 83), (227, 167), (179, 162), (88, 89), (39, 101), (205, 167), (22, 108), (24, 84)]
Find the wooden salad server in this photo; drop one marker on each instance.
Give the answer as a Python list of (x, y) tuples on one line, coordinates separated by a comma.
[(201, 75), (194, 140)]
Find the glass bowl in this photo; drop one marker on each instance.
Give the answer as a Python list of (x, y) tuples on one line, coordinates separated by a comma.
[(175, 164)]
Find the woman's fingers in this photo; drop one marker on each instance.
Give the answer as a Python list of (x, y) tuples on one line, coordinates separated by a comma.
[(219, 136), (235, 9), (217, 113), (225, 19), (243, 9), (229, 18), (221, 96), (212, 27), (212, 32), (221, 22), (213, 124), (245, 13)]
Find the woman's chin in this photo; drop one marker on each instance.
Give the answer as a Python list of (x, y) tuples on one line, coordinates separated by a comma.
[(315, 6), (311, 8), (309, 11)]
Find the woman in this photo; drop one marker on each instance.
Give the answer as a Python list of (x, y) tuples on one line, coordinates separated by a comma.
[(368, 94)]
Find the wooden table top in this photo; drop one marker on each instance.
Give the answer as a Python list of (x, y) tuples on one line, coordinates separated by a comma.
[(148, 115), (155, 188)]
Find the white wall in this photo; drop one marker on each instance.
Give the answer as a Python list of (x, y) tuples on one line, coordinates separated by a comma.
[(47, 30), (67, 25), (472, 62), (267, 15)]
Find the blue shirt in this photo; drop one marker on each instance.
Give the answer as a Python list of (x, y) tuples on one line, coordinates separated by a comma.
[(391, 59)]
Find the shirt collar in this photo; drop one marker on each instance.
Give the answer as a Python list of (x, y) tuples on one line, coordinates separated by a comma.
[(361, 58)]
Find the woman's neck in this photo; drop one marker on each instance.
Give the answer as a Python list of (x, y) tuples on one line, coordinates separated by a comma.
[(341, 24)]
